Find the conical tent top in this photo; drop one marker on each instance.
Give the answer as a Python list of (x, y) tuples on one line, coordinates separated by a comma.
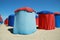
[(12, 15), (25, 9), (6, 19), (56, 13), (45, 12)]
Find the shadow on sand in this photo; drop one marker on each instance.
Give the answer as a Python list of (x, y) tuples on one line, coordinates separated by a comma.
[(11, 30)]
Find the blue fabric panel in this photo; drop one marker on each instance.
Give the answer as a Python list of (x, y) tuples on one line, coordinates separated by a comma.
[(24, 23)]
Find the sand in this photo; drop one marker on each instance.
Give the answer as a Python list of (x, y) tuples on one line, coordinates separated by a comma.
[(5, 34)]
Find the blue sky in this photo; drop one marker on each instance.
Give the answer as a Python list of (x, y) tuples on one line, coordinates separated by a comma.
[(8, 7)]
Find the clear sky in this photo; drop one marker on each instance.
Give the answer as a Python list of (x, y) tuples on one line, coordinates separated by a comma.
[(8, 7)]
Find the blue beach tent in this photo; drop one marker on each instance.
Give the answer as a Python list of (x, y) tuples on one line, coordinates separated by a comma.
[(24, 21), (11, 20)]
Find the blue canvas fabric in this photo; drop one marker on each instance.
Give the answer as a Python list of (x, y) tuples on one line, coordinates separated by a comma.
[(57, 20), (24, 23), (36, 16), (11, 20), (45, 12), (1, 22)]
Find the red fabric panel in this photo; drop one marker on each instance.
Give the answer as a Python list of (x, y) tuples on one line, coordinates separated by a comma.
[(25, 9), (37, 21), (1, 18), (46, 21), (56, 12), (6, 22)]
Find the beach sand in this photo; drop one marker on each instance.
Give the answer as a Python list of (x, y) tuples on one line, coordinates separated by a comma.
[(6, 34)]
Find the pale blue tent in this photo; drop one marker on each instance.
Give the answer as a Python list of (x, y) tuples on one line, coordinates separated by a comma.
[(24, 21)]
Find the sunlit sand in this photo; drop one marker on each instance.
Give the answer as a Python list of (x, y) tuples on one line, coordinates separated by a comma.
[(6, 33)]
